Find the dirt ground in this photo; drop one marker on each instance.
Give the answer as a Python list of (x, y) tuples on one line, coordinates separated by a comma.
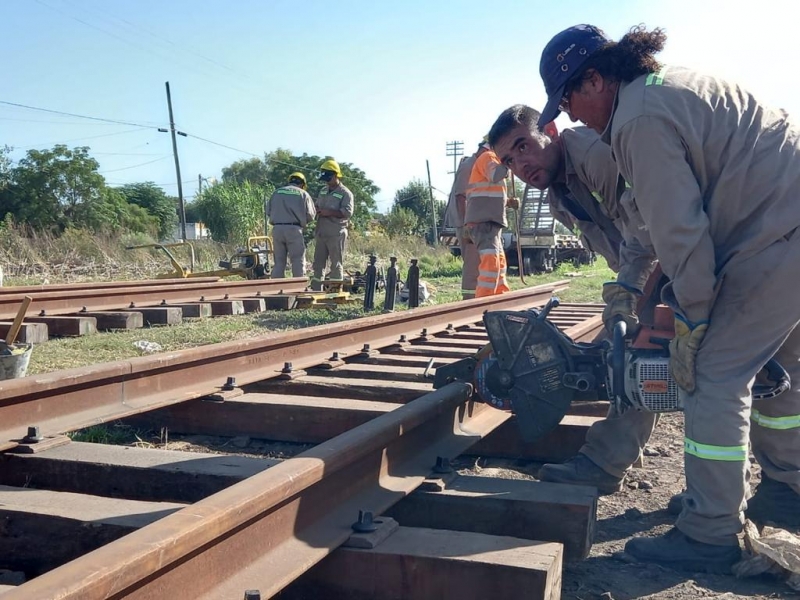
[(640, 509)]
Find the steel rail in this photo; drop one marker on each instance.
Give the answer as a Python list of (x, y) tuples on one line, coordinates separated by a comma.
[(72, 301), (75, 398), (266, 531), (100, 285)]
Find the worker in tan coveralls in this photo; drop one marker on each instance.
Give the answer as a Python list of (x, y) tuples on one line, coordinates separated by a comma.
[(485, 218), (334, 209), (289, 210), (715, 176), (584, 189), (454, 215)]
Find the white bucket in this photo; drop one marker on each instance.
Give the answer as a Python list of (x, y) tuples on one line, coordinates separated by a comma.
[(13, 366)]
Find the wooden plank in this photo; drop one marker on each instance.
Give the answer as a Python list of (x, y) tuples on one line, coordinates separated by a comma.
[(29, 333), (44, 529), (161, 315), (132, 473), (67, 326), (116, 319), (220, 308), (531, 510), (253, 305), (329, 386), (281, 301), (417, 564), (277, 417), (193, 310), (559, 445)]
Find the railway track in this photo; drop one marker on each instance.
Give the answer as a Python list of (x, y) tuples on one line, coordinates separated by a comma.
[(78, 309), (212, 526)]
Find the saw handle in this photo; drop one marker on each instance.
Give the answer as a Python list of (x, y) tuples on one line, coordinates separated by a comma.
[(13, 331), (618, 360)]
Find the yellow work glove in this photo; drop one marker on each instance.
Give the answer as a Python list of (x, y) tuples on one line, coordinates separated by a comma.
[(683, 352), (621, 303)]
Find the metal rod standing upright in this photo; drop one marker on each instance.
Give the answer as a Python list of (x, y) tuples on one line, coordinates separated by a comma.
[(433, 205), (182, 211), (391, 285), (370, 278), (412, 282)]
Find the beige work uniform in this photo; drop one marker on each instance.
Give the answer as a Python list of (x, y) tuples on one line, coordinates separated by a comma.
[(716, 180), (469, 252), (331, 234), (590, 199), (289, 210)]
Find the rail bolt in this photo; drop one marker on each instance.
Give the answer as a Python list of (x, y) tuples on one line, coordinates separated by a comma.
[(33, 436), (442, 465), (252, 595), (403, 339), (365, 523), (334, 356), (230, 384), (287, 367), (366, 348)]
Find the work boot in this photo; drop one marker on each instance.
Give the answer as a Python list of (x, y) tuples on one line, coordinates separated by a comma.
[(580, 470), (678, 551), (774, 502)]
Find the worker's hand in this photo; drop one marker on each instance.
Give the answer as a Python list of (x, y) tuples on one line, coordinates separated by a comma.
[(621, 303), (513, 202), (683, 352)]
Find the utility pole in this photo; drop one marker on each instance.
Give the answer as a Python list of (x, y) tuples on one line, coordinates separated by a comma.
[(455, 149), (182, 210), (433, 205)]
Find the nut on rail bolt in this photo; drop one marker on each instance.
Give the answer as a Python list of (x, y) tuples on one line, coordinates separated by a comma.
[(367, 351), (442, 465), (230, 384), (252, 595), (163, 302), (366, 523), (33, 436)]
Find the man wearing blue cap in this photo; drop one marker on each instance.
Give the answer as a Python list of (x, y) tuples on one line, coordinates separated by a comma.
[(715, 176), (584, 190)]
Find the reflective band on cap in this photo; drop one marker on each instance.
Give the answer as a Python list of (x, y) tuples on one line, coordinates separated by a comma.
[(788, 422), (709, 452)]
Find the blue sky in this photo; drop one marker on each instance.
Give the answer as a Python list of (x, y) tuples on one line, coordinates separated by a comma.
[(382, 85)]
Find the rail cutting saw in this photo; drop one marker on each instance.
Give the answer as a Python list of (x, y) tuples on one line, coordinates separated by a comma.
[(535, 370)]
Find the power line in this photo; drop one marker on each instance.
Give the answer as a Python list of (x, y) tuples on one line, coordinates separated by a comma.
[(68, 114), (80, 139), (149, 162)]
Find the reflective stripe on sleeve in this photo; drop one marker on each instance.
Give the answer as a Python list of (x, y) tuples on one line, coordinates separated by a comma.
[(788, 422)]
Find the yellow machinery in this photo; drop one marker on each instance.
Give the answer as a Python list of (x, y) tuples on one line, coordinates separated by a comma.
[(251, 262)]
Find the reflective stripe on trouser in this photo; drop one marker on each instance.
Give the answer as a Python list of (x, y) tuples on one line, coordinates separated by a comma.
[(757, 307), (488, 240), (328, 248), (616, 442), (287, 241), (471, 260)]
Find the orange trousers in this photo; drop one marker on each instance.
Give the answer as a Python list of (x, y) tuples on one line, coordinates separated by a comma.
[(488, 238)]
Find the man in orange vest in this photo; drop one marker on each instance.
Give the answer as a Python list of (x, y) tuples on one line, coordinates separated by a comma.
[(485, 219)]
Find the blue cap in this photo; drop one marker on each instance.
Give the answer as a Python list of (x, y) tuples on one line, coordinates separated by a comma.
[(562, 59)]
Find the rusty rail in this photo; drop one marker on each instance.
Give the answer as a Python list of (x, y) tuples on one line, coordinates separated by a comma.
[(268, 530), (76, 398), (72, 301), (100, 285)]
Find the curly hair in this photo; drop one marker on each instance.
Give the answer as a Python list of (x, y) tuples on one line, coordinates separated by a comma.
[(519, 114), (629, 58)]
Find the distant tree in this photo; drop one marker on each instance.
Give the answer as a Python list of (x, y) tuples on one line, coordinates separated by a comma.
[(401, 222), (254, 170), (155, 201), (282, 163), (233, 211), (416, 198), (47, 186), (112, 213)]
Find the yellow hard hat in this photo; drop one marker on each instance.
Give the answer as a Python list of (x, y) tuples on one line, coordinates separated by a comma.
[(298, 175), (331, 165)]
